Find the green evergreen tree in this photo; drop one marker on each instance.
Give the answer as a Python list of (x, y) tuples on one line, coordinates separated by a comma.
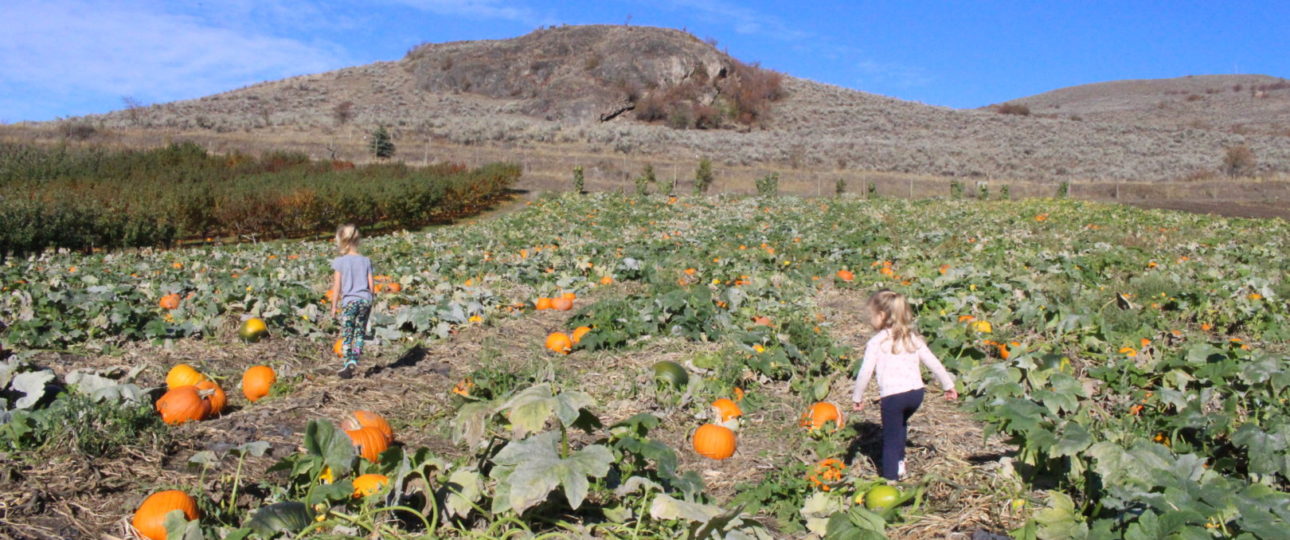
[(381, 145)]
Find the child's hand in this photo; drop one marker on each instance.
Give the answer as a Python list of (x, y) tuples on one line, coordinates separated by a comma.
[(858, 406), (952, 394)]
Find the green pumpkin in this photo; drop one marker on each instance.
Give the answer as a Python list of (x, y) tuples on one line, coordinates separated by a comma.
[(672, 374), (881, 498), (285, 517), (252, 330)]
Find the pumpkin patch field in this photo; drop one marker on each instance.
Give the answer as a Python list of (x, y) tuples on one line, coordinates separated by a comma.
[(661, 367)]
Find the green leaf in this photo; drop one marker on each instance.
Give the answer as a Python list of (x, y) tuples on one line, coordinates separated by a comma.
[(1074, 440), (285, 517), (322, 439), (464, 489), (178, 527), (33, 385), (532, 468), (530, 409)]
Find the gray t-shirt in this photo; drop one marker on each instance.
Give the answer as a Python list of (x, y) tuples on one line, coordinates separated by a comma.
[(354, 271)]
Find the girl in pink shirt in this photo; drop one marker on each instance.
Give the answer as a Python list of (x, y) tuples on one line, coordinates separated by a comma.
[(894, 353)]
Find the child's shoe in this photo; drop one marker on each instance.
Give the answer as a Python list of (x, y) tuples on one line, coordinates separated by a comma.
[(347, 372)]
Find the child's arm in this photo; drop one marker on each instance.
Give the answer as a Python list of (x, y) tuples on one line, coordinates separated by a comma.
[(371, 287), (335, 293), (928, 358), (866, 372)]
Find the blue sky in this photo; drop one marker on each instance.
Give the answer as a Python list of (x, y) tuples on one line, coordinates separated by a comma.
[(62, 58)]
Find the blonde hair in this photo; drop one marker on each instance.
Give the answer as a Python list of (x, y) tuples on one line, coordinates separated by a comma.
[(347, 237), (896, 316)]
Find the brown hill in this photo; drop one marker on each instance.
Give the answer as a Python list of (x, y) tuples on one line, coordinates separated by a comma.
[(1237, 103), (550, 90)]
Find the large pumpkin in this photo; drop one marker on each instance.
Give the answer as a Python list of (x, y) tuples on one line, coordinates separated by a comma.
[(183, 404), (257, 381), (169, 301), (183, 375), (714, 442), (211, 392), (543, 304), (559, 342), (368, 442), (368, 419), (150, 518), (820, 414), (252, 330)]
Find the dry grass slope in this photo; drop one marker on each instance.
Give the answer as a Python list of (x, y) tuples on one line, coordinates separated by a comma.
[(551, 88)]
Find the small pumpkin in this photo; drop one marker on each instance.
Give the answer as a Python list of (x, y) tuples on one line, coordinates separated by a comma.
[(820, 414), (714, 442), (607, 280), (368, 419), (543, 304), (169, 301), (213, 393), (182, 404), (561, 303), (569, 296), (761, 320), (183, 375), (559, 342), (368, 442), (846, 275), (393, 287), (257, 381), (339, 348), (725, 412), (369, 484), (253, 330), (578, 333), (150, 518)]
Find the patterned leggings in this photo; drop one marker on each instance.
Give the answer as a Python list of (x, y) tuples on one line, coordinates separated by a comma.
[(353, 324)]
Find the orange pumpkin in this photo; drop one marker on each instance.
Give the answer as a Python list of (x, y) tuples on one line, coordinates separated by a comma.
[(339, 348), (726, 413), (578, 333), (183, 375), (368, 419), (257, 381), (543, 304), (368, 442), (559, 342), (394, 287), (569, 296), (714, 442), (169, 301), (181, 405), (821, 413), (561, 304), (606, 280), (369, 484), (211, 391), (761, 320), (846, 275), (150, 518)]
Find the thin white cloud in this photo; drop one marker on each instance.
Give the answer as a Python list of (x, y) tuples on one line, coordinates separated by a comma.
[(477, 9), (744, 20), (73, 47), (892, 74)]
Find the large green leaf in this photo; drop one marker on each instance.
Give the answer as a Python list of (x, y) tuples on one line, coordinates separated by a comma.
[(532, 468), (322, 439), (530, 409)]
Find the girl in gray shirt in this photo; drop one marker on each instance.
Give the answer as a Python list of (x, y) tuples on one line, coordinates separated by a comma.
[(351, 295)]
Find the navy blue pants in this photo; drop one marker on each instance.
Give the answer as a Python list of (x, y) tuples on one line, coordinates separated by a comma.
[(896, 410)]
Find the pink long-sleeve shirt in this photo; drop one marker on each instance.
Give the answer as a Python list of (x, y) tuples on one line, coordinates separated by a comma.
[(897, 372)]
